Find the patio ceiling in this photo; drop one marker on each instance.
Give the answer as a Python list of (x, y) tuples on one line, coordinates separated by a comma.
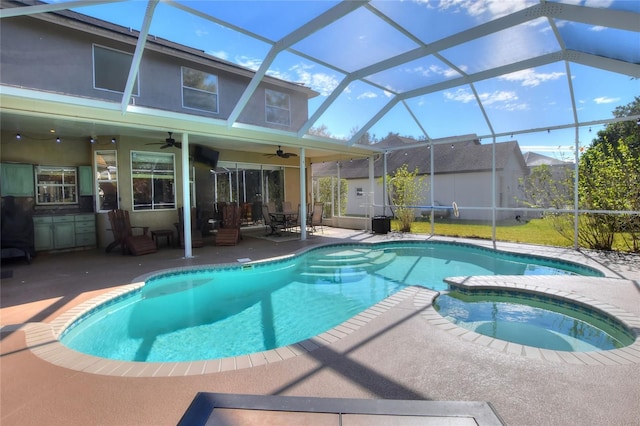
[(425, 69)]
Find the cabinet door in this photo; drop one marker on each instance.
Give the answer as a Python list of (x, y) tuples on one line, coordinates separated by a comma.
[(17, 180), (64, 235), (43, 233), (86, 180)]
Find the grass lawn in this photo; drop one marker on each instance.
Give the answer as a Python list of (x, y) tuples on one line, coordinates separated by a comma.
[(534, 231)]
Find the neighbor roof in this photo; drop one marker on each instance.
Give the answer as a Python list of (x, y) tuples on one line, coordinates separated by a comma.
[(460, 157)]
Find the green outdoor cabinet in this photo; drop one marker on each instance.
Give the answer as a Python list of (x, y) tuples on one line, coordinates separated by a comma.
[(86, 180), (54, 232), (17, 180)]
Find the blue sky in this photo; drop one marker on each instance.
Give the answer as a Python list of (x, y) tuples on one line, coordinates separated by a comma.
[(533, 98)]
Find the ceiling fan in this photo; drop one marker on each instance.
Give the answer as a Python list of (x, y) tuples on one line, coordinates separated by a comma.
[(168, 142), (280, 153)]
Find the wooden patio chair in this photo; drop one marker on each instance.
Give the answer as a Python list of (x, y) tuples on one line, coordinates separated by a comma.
[(123, 235), (229, 233)]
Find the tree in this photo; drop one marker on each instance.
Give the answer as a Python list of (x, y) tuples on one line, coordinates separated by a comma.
[(608, 180), (322, 130), (548, 187), (629, 131), (405, 189), (329, 186)]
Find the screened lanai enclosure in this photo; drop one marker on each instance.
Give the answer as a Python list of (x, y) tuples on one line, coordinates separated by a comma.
[(494, 104)]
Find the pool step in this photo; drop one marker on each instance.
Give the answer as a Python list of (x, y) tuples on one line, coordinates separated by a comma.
[(338, 270), (349, 257)]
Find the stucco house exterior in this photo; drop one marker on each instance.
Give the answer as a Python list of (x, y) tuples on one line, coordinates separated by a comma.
[(65, 58), (462, 173)]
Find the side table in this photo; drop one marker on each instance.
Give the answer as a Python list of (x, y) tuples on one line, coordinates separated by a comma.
[(163, 233)]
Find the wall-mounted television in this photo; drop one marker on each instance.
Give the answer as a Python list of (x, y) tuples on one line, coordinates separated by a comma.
[(206, 156)]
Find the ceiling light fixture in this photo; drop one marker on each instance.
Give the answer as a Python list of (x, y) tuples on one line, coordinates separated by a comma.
[(18, 136), (113, 140), (92, 140), (58, 140), (638, 122)]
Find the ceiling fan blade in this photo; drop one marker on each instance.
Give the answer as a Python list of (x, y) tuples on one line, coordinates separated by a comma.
[(178, 145)]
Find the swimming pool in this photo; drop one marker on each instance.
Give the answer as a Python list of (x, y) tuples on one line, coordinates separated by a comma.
[(211, 313), (533, 319)]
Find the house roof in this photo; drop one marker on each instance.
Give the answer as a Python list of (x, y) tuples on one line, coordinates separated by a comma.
[(534, 159), (458, 157)]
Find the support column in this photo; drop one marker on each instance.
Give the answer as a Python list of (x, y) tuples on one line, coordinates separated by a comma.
[(302, 214), (186, 197)]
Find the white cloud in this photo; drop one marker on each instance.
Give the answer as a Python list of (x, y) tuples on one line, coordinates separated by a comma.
[(597, 28), (605, 100), (301, 72), (219, 54), (460, 95), (367, 95), (247, 62), (531, 78), (495, 8), (504, 100), (201, 33), (435, 70), (321, 82)]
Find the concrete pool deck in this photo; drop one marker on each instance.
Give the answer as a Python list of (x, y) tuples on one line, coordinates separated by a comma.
[(399, 354)]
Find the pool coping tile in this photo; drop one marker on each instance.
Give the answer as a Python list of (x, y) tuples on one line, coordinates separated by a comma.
[(627, 355), (42, 338)]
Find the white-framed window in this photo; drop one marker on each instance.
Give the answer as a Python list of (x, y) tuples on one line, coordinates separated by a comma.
[(199, 90), (153, 180), (56, 185), (278, 108), (106, 171), (111, 69)]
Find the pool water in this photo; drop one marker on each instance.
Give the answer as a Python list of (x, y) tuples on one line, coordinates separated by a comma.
[(555, 325), (215, 313)]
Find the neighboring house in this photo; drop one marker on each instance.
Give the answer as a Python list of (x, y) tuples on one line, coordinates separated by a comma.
[(561, 172), (462, 174), (67, 55)]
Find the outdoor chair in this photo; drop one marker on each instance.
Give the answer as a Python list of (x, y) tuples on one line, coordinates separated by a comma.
[(315, 220), (273, 221), (229, 233), (123, 235)]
